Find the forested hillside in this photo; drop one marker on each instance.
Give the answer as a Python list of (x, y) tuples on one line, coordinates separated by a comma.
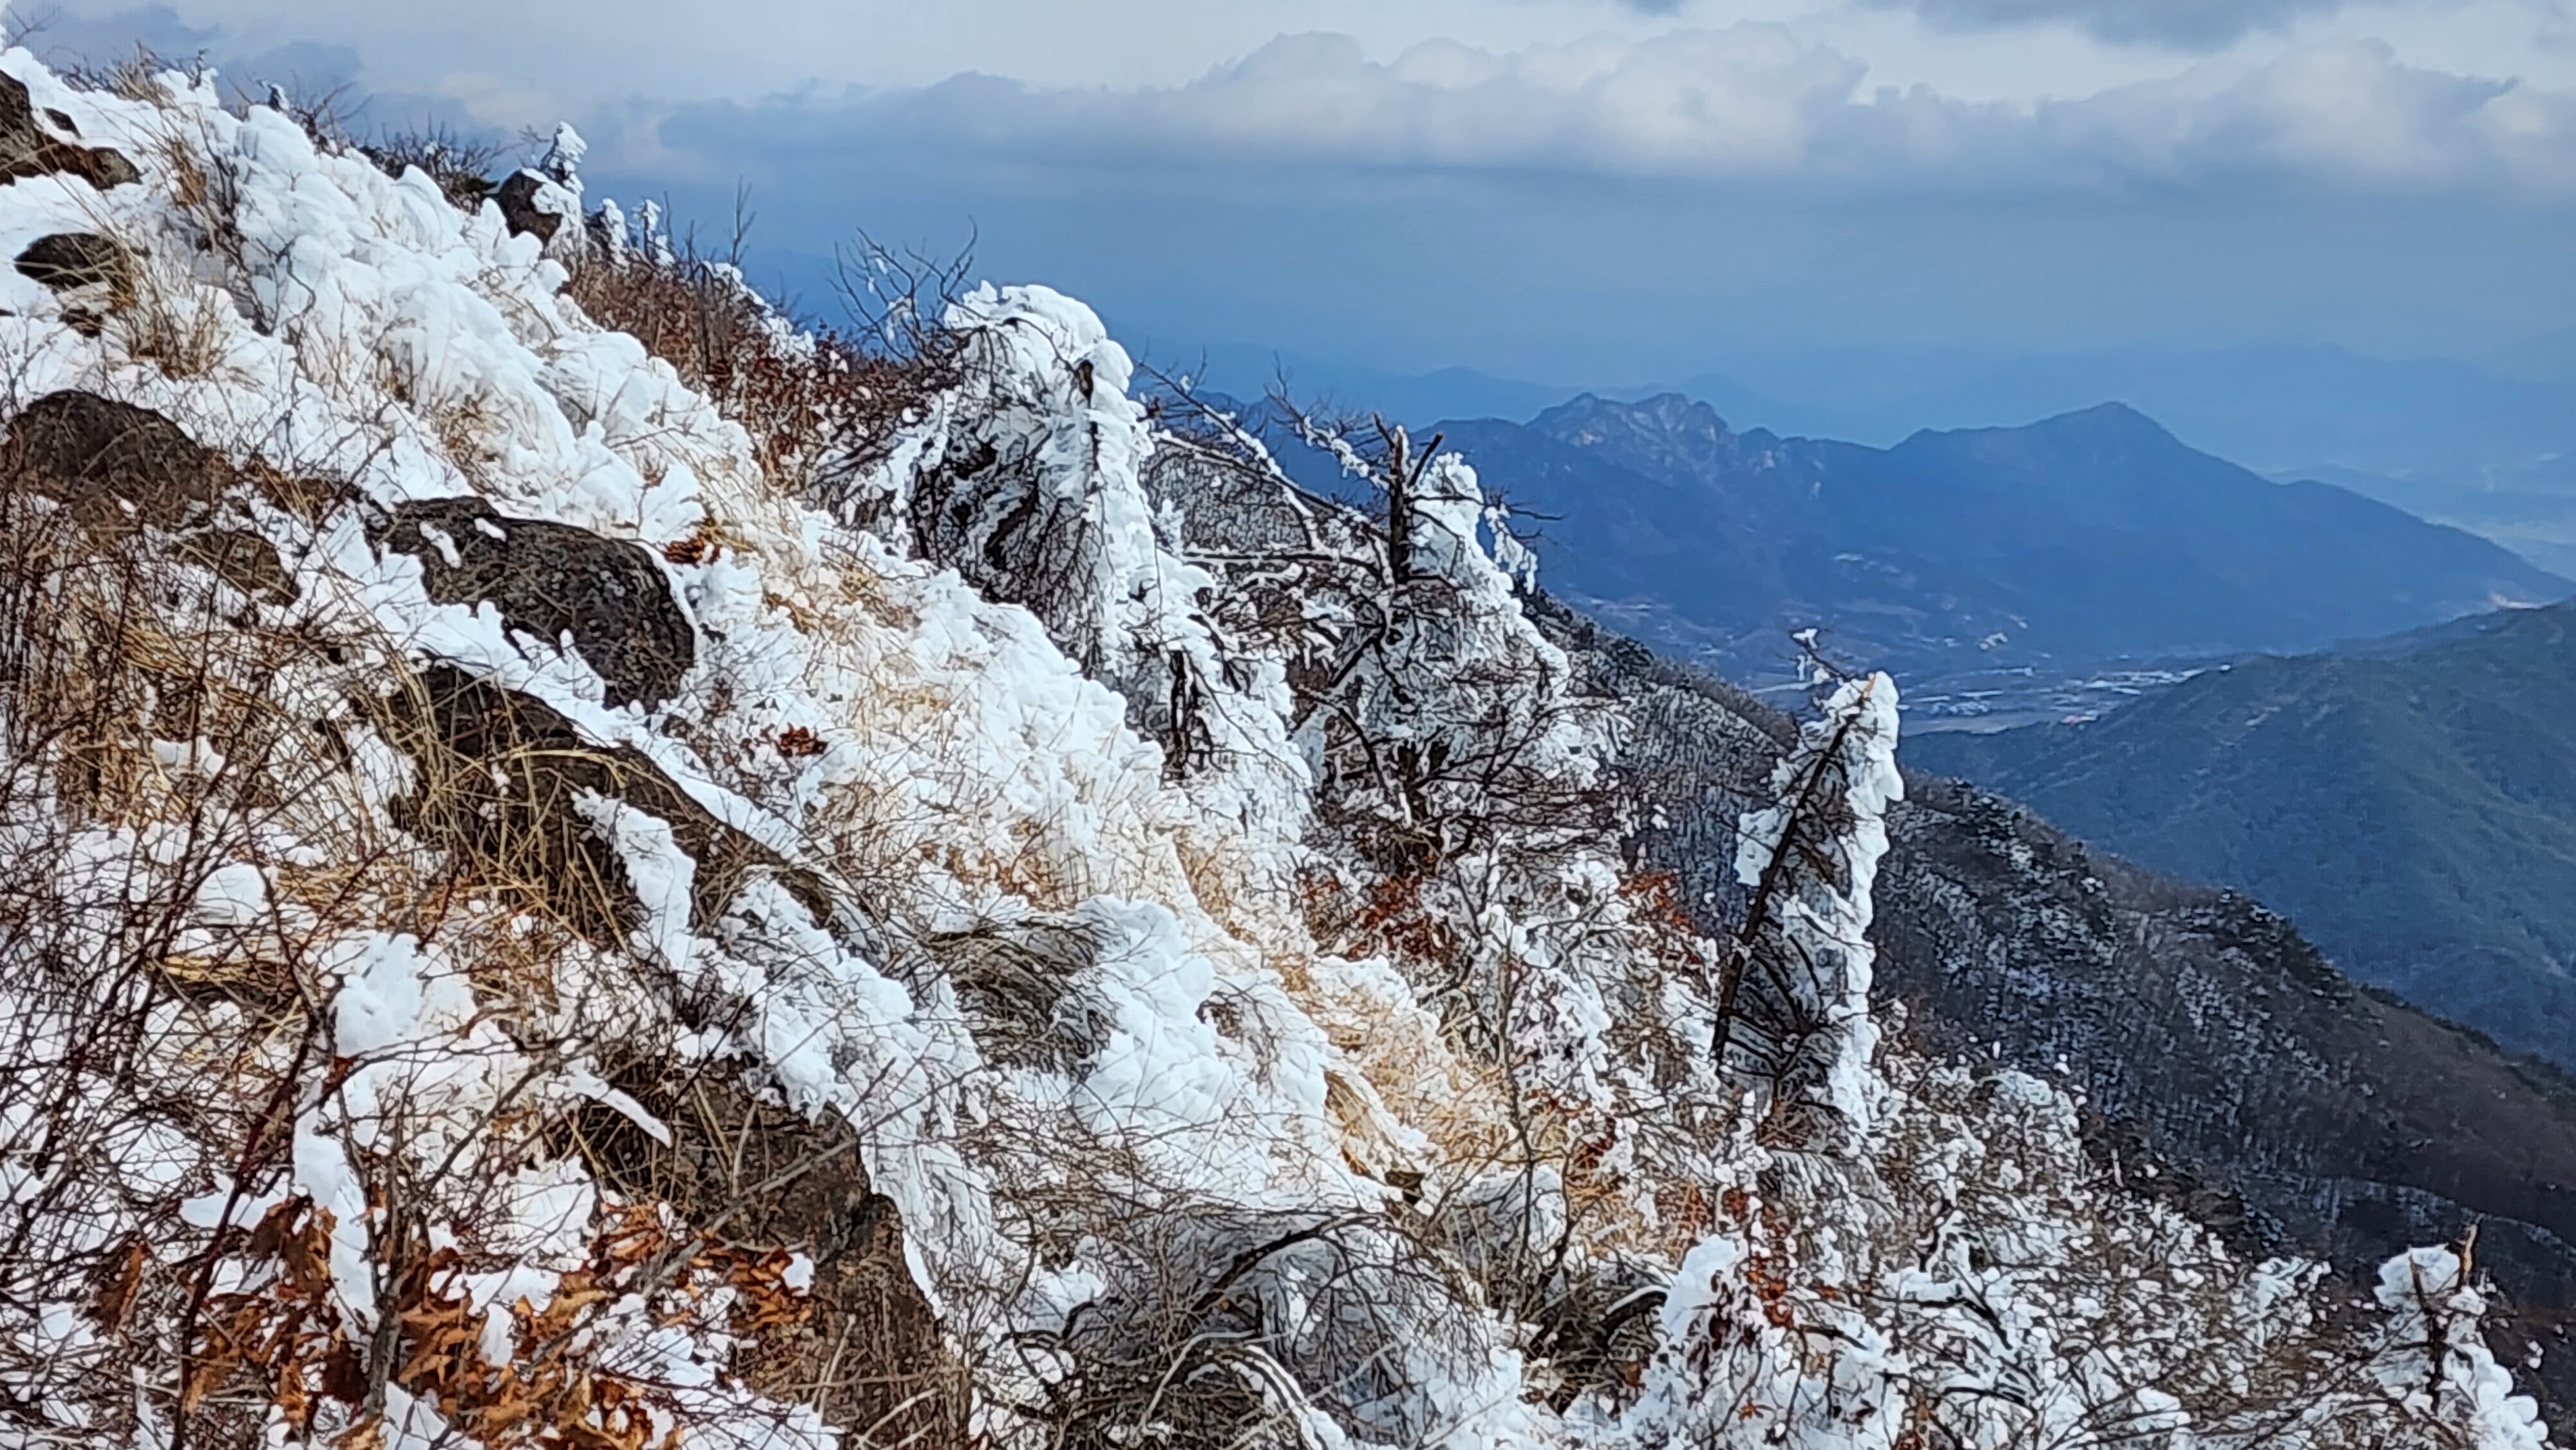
[(2411, 805), (2216, 1052)]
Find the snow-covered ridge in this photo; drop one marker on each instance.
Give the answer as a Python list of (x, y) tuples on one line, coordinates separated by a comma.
[(1115, 951)]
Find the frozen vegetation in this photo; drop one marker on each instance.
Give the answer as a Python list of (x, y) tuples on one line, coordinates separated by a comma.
[(587, 867)]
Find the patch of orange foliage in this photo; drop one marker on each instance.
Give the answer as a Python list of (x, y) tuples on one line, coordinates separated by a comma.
[(551, 1395)]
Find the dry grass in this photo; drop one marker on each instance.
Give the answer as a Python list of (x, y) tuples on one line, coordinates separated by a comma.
[(106, 648), (134, 75), (819, 405), (756, 1182), (167, 318), (461, 165)]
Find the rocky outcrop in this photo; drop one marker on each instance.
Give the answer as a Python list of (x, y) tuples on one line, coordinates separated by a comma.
[(766, 1181), (1027, 989), (67, 261), (502, 786), (115, 465), (28, 146), (551, 580), (116, 468), (532, 205)]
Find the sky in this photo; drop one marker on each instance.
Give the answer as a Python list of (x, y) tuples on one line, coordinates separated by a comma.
[(1586, 192)]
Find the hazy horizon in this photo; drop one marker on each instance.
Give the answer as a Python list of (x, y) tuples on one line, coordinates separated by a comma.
[(1861, 216)]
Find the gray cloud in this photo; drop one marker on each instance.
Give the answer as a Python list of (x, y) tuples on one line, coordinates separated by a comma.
[(1599, 210), (308, 69), (1745, 103), (60, 37), (2185, 24)]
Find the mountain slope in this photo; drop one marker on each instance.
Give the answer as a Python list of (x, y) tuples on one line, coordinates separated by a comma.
[(2412, 806), (2539, 524), (2086, 540), (2213, 1045)]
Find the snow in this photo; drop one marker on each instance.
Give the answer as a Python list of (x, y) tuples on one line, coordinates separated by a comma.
[(2432, 1324), (980, 765), (1849, 747)]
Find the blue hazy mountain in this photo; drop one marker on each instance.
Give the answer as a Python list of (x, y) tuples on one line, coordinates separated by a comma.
[(2094, 540), (2538, 525), (2509, 428), (2269, 407)]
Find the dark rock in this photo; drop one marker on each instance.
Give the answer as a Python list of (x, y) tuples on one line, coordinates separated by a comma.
[(501, 783), (760, 1177), (67, 260), (551, 579), (114, 464), (242, 559), (118, 468), (726, 1143), (1598, 1327), (27, 149), (519, 209), (1027, 990)]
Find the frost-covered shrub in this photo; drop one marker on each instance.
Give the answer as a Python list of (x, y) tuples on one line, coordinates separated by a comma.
[(1216, 1325), (1794, 995), (1467, 811)]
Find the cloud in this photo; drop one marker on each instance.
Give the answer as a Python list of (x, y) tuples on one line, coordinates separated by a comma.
[(60, 36), (1750, 102), (312, 69), (1747, 102), (2185, 24), (2345, 114)]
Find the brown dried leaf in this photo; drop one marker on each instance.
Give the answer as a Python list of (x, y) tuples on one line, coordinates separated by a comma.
[(116, 1296)]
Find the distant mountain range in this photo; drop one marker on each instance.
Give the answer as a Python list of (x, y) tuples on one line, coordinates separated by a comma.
[(2411, 804), (2269, 407), (2509, 427), (2491, 449), (2538, 525), (1987, 567)]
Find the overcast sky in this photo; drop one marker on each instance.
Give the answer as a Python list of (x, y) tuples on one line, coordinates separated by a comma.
[(1572, 190)]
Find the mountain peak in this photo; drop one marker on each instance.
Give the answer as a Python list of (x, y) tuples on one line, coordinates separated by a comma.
[(2112, 417), (2105, 430), (1665, 419)]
